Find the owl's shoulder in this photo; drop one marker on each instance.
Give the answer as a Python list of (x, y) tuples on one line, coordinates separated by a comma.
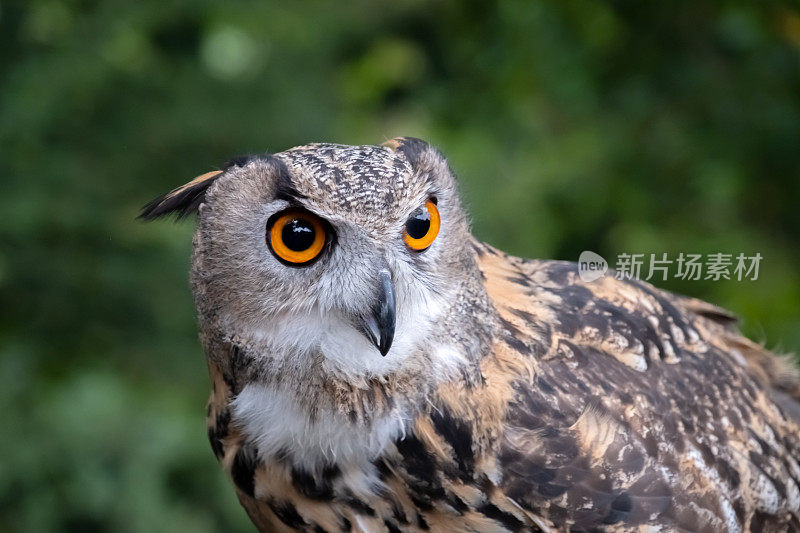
[(547, 307), (619, 394)]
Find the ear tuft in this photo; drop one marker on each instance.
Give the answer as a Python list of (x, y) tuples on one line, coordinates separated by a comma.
[(414, 149), (182, 201), (241, 160), (406, 144)]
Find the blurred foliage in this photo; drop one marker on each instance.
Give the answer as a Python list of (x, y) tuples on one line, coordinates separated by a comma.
[(610, 126)]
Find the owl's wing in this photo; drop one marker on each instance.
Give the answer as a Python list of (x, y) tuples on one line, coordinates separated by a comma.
[(630, 406)]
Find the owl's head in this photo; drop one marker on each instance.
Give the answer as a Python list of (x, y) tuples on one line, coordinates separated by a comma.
[(348, 257)]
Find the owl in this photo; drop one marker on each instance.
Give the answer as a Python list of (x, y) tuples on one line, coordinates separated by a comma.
[(376, 368)]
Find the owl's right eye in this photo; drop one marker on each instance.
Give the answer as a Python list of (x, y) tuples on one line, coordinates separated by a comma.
[(296, 237)]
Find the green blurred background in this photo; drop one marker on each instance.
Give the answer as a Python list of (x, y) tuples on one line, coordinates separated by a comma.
[(573, 124)]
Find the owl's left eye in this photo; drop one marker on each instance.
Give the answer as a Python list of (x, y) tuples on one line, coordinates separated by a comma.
[(422, 227), (296, 237)]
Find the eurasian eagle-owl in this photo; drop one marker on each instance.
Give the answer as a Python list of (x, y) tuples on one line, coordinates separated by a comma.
[(376, 368)]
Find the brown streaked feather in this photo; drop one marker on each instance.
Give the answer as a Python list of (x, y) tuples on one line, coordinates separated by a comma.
[(646, 408), (777, 373), (707, 310)]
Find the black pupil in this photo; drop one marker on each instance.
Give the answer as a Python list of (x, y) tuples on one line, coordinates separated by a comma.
[(298, 235), (419, 224)]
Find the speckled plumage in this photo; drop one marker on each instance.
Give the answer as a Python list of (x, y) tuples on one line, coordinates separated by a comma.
[(516, 397)]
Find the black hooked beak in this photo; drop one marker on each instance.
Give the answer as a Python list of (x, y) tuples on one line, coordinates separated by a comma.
[(379, 324)]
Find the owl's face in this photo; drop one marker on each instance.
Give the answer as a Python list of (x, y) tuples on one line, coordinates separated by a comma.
[(340, 256)]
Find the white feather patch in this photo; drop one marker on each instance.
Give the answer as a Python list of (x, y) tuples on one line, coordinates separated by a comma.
[(274, 421)]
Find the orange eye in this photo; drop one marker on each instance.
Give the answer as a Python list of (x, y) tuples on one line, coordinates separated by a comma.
[(296, 237), (422, 227)]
